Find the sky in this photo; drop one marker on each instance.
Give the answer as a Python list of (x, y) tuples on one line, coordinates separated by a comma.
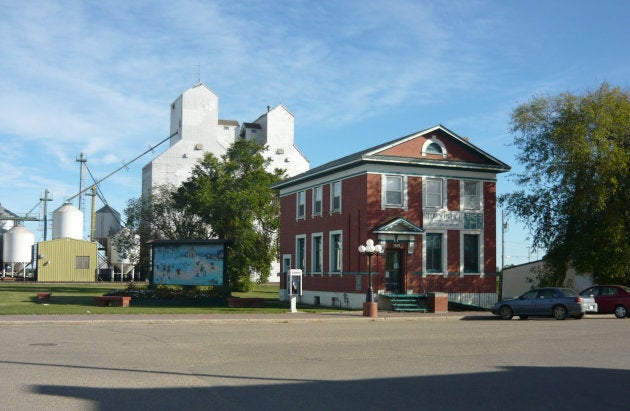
[(98, 78)]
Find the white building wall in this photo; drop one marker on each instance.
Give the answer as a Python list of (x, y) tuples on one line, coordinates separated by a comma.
[(226, 135), (518, 279), (278, 134), (195, 120), (195, 117)]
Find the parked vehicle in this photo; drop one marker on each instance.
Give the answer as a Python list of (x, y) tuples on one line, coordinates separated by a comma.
[(610, 299), (559, 303)]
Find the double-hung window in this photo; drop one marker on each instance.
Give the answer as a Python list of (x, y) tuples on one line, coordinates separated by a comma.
[(317, 200), (434, 192), (472, 197), (471, 253), (335, 197), (434, 253), (335, 252), (300, 252), (394, 191), (317, 253), (301, 204)]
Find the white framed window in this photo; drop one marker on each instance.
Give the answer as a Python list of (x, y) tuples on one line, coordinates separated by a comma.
[(286, 263), (393, 191), (471, 195), (317, 253), (335, 197), (434, 193), (433, 147), (434, 253), (317, 200), (300, 211), (336, 252), (471, 253), (300, 252)]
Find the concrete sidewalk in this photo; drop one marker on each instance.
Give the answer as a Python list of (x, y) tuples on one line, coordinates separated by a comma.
[(246, 317)]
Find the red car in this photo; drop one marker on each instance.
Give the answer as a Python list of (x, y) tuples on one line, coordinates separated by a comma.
[(610, 299)]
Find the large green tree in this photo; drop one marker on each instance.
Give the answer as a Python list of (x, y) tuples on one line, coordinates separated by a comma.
[(575, 187), (233, 196), (158, 217)]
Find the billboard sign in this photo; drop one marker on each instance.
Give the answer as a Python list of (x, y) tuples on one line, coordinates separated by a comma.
[(189, 262)]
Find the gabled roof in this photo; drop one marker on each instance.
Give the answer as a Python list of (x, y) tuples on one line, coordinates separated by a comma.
[(399, 226), (252, 125), (108, 209), (374, 155), (228, 123), (269, 109)]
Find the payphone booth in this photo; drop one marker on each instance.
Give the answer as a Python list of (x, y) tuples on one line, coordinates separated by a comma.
[(294, 287)]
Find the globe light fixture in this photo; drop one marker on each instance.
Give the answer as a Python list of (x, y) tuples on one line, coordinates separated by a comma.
[(369, 249)]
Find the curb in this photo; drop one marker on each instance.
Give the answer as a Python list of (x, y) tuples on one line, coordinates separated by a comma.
[(218, 318)]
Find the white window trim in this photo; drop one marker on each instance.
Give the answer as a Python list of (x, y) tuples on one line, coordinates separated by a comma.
[(425, 192), (297, 205), (384, 204), (432, 140), (321, 253), (461, 254), (321, 200), (285, 258), (331, 268), (462, 195), (332, 197), (444, 272), (297, 238)]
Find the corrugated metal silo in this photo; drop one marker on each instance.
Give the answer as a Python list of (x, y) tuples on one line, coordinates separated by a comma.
[(107, 222), (67, 222), (17, 245)]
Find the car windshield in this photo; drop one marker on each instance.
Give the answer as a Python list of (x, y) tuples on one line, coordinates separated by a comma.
[(568, 292), (626, 289)]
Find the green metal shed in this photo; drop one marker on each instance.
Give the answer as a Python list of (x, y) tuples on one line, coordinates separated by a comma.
[(66, 260)]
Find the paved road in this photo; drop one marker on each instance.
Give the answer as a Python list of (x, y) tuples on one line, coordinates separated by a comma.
[(315, 362)]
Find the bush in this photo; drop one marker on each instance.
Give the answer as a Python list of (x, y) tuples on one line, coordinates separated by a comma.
[(170, 292)]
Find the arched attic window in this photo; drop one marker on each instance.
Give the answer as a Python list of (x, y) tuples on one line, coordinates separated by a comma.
[(434, 147)]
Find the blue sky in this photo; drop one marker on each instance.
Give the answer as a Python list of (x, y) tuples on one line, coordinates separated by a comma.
[(98, 77)]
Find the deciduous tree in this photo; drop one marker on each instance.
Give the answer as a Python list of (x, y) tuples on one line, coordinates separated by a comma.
[(233, 196), (575, 187)]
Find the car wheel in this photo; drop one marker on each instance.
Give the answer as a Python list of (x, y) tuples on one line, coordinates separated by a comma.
[(579, 316), (506, 313), (559, 312), (621, 311), (523, 317)]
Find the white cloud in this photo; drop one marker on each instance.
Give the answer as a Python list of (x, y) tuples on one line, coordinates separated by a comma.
[(98, 77)]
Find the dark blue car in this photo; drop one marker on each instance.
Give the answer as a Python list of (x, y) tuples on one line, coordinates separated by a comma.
[(559, 303)]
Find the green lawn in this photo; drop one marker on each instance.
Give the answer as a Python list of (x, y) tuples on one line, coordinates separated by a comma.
[(20, 298)]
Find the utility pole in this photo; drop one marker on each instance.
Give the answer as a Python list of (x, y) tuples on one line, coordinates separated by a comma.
[(93, 214), (46, 199), (81, 160), (504, 227)]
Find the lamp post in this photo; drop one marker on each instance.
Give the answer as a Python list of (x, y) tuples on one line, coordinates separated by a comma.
[(369, 249)]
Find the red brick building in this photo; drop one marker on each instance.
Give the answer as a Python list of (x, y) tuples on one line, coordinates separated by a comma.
[(429, 199)]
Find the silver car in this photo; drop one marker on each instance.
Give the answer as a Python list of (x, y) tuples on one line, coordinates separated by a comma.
[(559, 303)]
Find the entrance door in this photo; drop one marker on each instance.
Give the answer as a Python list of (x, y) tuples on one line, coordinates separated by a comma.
[(394, 273)]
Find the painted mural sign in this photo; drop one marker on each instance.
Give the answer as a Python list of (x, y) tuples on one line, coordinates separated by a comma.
[(195, 262), (453, 220)]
